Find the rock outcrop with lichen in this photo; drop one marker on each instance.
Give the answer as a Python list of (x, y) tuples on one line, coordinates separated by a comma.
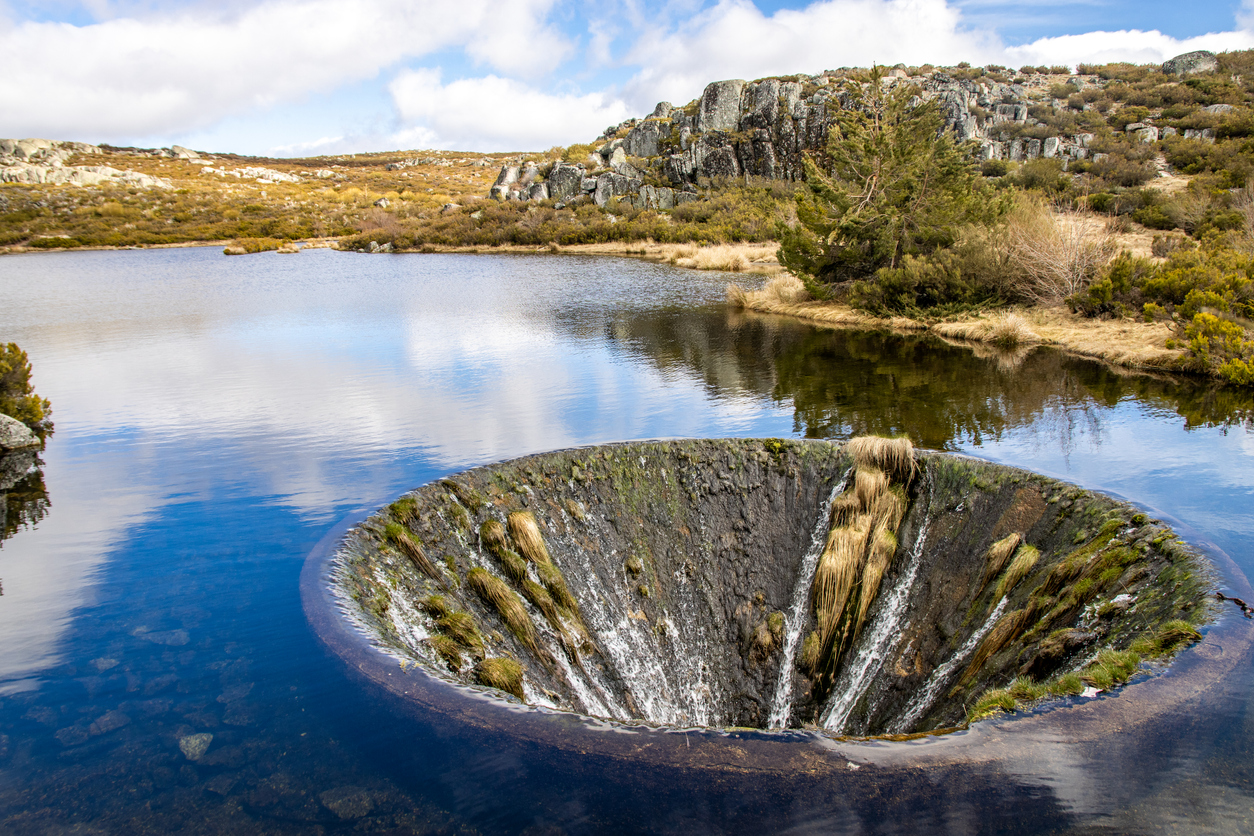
[(766, 128)]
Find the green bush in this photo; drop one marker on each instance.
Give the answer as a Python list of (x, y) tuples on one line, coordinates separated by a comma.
[(1222, 347), (897, 187), (17, 397)]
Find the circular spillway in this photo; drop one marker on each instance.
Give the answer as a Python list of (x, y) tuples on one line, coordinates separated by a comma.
[(857, 589)]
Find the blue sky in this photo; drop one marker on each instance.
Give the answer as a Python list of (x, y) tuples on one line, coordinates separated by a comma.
[(304, 77)]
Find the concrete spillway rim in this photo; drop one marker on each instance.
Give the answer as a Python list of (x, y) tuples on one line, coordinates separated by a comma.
[(1227, 645)]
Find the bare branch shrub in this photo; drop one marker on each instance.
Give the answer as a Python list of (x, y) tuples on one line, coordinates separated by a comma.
[(1056, 254)]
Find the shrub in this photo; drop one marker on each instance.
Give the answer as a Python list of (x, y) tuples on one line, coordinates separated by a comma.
[(1058, 255), (1222, 347), (898, 187), (17, 397)]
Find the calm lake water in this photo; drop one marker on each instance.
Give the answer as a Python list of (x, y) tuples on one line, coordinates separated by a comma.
[(215, 417)]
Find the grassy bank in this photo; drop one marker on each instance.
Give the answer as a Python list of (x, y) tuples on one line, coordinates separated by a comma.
[(1126, 343)]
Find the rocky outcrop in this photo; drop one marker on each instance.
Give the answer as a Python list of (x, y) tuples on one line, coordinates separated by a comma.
[(766, 129), (42, 161), (1191, 62), (257, 173), (14, 435)]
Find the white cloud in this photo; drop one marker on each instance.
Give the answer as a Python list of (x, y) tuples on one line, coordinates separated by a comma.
[(180, 71), (167, 76), (1133, 46), (735, 40), (495, 114)]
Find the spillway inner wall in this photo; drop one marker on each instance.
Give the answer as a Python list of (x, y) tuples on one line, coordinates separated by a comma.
[(674, 583)]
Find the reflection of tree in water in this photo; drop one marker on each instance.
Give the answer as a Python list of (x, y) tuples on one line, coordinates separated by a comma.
[(732, 355), (23, 496), (848, 382)]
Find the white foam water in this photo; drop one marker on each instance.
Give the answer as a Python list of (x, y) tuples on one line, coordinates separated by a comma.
[(781, 702)]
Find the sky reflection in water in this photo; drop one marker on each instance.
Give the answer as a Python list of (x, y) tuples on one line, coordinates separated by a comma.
[(216, 416)]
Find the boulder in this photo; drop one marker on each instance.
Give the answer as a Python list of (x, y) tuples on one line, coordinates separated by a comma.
[(182, 153), (507, 178), (538, 191), (1219, 109), (1010, 113), (528, 176), (14, 435), (662, 110), (762, 99), (604, 189), (643, 139), (564, 181), (1189, 63), (720, 106)]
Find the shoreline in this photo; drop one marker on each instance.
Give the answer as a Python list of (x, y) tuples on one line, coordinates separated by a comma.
[(1121, 343)]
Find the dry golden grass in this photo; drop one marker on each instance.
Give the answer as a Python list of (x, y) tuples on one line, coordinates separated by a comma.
[(733, 258), (1125, 343), (526, 535), (497, 594), (883, 549), (503, 674), (998, 554), (889, 508), (868, 484), (1006, 330), (844, 509), (837, 572), (894, 456), (1025, 558), (1003, 633), (492, 536), (1121, 342)]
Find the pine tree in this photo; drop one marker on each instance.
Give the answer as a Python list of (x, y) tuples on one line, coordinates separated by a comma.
[(896, 185), (17, 398)]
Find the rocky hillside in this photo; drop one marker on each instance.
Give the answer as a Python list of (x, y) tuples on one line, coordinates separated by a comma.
[(765, 128), (46, 161)]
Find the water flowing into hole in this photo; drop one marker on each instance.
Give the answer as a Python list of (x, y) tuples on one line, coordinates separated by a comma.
[(861, 588), (798, 609)]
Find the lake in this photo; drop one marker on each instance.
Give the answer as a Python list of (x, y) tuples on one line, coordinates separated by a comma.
[(216, 417)]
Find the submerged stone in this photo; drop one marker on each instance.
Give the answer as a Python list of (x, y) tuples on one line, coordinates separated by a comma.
[(862, 589)]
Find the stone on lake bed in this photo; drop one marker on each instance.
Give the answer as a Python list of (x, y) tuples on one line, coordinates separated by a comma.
[(348, 802), (194, 746), (169, 638), (109, 721)]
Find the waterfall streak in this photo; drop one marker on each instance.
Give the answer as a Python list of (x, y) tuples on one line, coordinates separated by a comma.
[(866, 659), (936, 682), (781, 702)]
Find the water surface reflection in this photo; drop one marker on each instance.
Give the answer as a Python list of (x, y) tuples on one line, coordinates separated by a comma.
[(216, 416)]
